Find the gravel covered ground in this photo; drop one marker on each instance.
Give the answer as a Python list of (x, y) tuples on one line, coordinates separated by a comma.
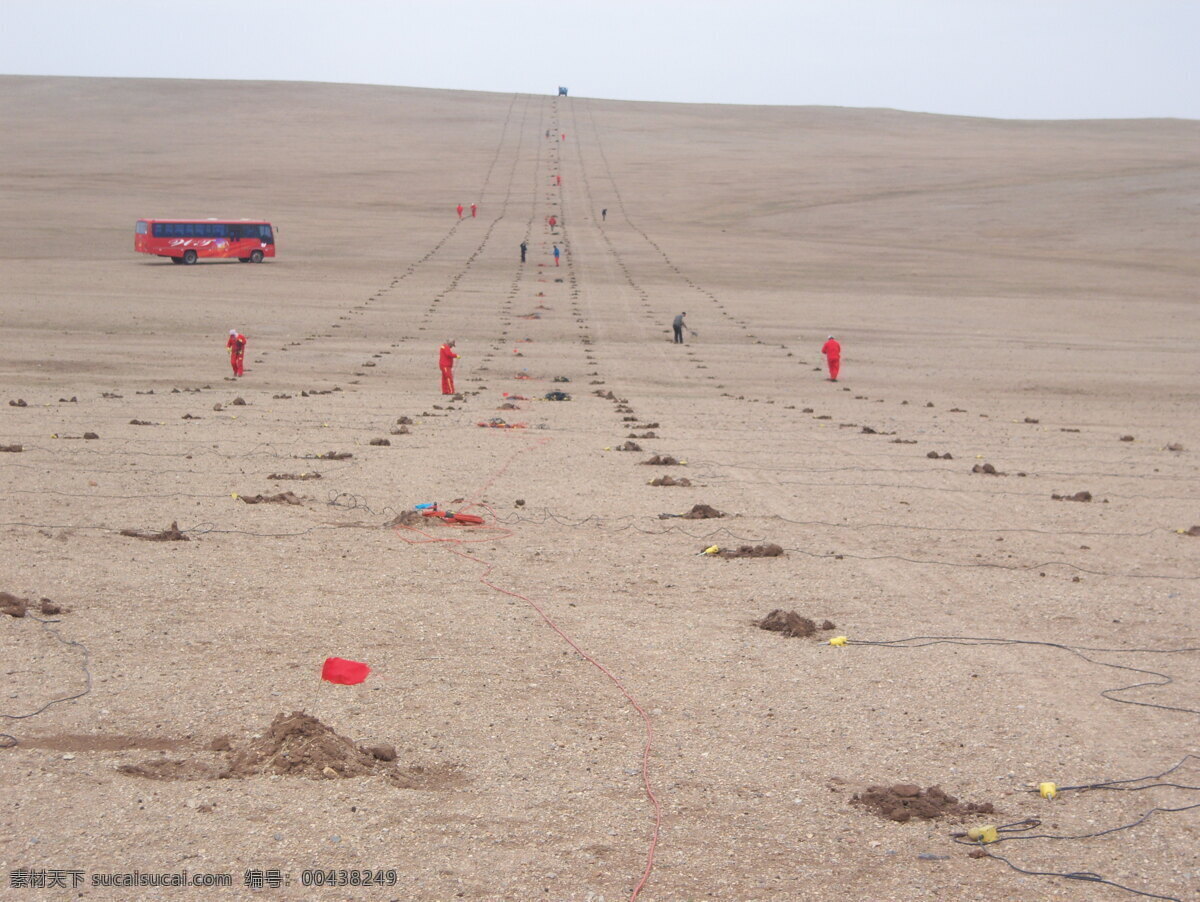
[(1016, 294)]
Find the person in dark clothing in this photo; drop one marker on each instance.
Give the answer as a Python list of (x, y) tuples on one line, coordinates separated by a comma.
[(604, 214), (678, 325), (524, 248)]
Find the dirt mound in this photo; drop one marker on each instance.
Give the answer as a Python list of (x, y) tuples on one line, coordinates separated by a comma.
[(12, 605), (1194, 532), (629, 446), (904, 801), (987, 469), (20, 402), (670, 480), (768, 550), (1127, 438), (171, 534), (665, 460), (405, 518), (791, 624), (933, 455), (281, 498), (298, 744), (381, 442), (702, 512), (1078, 496), (278, 476), (140, 423), (12, 449), (334, 455), (49, 608)]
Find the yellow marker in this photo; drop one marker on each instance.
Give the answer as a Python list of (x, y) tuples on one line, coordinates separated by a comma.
[(983, 834), (838, 640), (711, 549), (233, 495), (1048, 790), (683, 463), (608, 449), (979, 457)]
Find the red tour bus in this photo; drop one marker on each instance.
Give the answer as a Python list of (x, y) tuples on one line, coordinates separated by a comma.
[(187, 240)]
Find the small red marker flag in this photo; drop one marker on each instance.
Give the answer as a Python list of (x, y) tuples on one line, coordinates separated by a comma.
[(347, 673)]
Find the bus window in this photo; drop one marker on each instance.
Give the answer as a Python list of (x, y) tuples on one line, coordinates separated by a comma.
[(141, 228), (267, 237)]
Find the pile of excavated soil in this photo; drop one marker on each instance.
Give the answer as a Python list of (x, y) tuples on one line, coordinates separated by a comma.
[(1078, 496), (281, 498), (405, 518), (666, 460), (768, 550), (792, 624), (299, 745), (278, 476), (12, 605), (629, 446), (702, 512), (171, 534), (904, 801), (669, 480)]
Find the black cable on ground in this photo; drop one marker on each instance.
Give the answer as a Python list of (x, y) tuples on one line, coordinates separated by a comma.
[(976, 641), (7, 740)]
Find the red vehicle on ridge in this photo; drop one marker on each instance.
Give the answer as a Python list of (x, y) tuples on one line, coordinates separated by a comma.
[(187, 240)]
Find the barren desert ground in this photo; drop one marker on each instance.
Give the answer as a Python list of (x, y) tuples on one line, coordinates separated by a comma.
[(1018, 309)]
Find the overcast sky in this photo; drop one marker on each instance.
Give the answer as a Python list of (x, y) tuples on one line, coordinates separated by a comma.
[(1042, 59)]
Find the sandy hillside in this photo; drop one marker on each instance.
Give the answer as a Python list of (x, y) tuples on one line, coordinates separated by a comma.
[(1014, 297)]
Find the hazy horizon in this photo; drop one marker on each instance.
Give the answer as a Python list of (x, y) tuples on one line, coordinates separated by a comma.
[(1067, 59)]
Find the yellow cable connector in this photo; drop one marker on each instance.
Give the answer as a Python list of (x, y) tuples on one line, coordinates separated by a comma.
[(711, 549), (1048, 790), (985, 834), (838, 640)]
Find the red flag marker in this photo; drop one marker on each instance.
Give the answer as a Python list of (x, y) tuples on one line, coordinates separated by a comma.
[(346, 673)]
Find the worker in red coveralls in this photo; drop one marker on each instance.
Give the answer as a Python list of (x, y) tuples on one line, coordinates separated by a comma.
[(558, 179), (472, 211), (833, 354), (237, 351), (446, 364), (460, 209), (553, 222)]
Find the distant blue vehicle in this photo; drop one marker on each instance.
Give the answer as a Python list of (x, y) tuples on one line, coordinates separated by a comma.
[(562, 92)]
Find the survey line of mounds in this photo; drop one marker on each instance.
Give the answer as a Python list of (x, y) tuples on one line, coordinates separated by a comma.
[(299, 745)]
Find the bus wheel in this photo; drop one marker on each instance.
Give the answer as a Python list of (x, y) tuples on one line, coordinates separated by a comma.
[(189, 256), (256, 256), (176, 259)]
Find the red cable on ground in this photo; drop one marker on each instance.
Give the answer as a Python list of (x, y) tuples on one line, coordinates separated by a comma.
[(483, 578)]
